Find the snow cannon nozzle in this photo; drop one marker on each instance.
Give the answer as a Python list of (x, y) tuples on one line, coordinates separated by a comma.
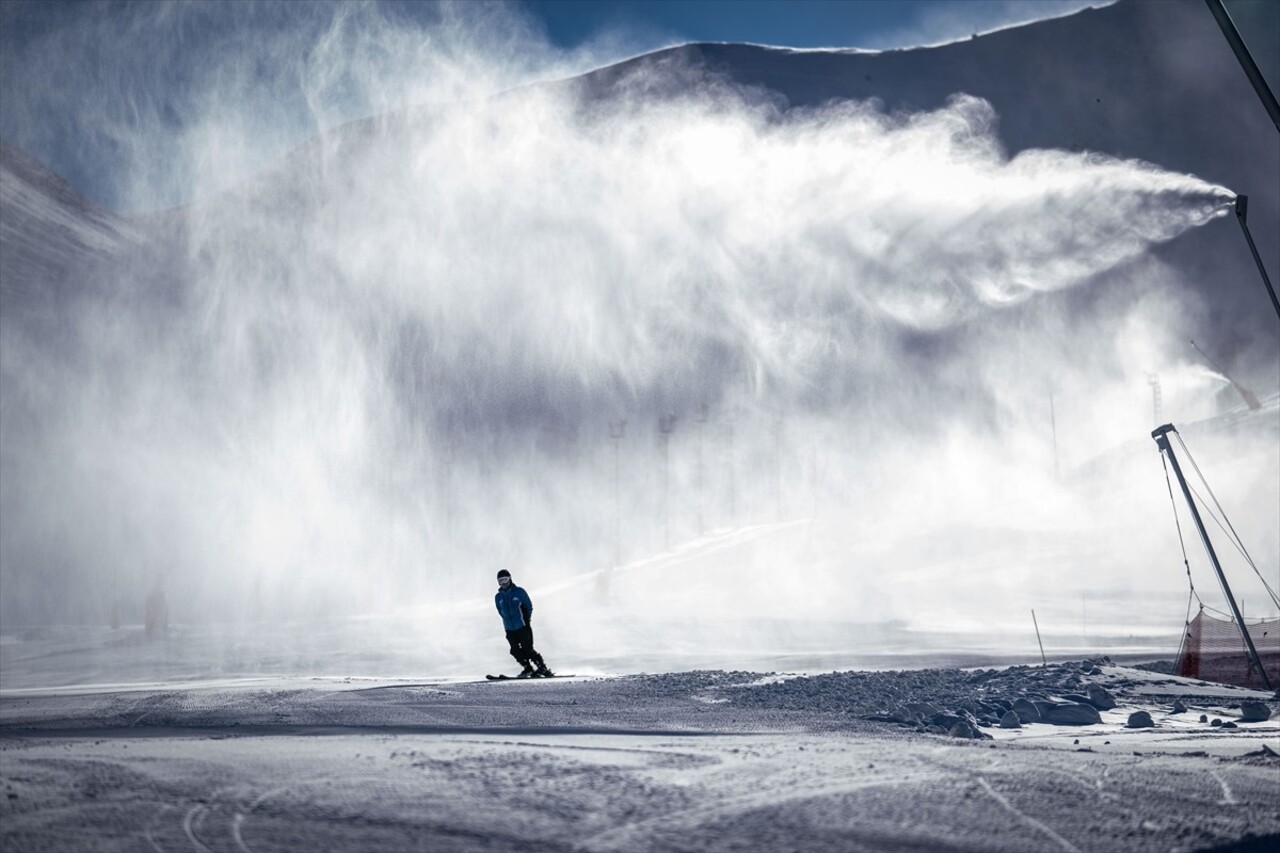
[(1242, 207), (1161, 435)]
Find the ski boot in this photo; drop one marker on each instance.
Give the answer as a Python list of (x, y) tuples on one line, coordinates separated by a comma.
[(528, 671), (543, 672)]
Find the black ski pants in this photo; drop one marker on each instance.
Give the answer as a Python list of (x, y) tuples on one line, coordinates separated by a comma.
[(521, 642)]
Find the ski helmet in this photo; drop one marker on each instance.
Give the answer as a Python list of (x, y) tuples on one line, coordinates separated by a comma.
[(503, 573)]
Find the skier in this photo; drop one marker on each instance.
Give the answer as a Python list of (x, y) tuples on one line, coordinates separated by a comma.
[(517, 615)]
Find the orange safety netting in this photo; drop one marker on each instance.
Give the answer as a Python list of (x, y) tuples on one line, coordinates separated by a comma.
[(1213, 650)]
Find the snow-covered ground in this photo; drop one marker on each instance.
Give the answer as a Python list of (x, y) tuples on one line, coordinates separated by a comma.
[(708, 760)]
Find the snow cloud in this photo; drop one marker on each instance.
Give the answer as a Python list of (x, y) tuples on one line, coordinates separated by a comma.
[(393, 359)]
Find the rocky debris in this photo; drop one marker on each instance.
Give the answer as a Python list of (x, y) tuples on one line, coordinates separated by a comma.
[(1254, 712), (1140, 720), (945, 720), (914, 713), (964, 729), (1164, 667), (1100, 697), (1071, 714), (935, 701), (1026, 710)]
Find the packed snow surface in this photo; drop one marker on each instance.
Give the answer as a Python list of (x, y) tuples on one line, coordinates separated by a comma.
[(706, 760)]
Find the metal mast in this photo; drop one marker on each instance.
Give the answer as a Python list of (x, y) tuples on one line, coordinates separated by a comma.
[(1161, 435), (1246, 60)]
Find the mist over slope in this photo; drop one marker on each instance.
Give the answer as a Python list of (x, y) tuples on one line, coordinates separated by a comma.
[(900, 297)]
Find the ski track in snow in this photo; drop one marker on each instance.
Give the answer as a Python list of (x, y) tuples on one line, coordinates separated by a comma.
[(1228, 798), (1030, 821), (603, 765)]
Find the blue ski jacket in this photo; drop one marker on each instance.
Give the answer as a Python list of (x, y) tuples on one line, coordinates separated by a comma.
[(514, 606)]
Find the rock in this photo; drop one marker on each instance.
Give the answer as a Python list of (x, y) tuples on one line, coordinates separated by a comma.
[(1026, 710), (1011, 720), (1203, 718), (1072, 714), (1179, 708), (1100, 697), (914, 712), (1254, 712), (1229, 724), (945, 720), (1140, 720), (964, 729), (1215, 722)]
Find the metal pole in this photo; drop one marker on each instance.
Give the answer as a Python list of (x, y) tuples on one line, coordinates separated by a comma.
[(1161, 435), (1246, 60), (1043, 660), (1242, 215)]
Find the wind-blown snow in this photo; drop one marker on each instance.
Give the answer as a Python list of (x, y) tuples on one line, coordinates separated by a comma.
[(391, 363)]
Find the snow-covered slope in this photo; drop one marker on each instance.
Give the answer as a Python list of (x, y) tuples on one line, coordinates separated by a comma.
[(51, 237)]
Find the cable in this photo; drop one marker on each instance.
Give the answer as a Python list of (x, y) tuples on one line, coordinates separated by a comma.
[(1232, 535), (1225, 615), (1209, 511), (1178, 523)]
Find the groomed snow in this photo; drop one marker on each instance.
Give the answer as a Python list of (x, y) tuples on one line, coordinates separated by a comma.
[(707, 760)]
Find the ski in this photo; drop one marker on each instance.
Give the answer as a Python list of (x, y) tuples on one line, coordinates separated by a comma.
[(530, 678)]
